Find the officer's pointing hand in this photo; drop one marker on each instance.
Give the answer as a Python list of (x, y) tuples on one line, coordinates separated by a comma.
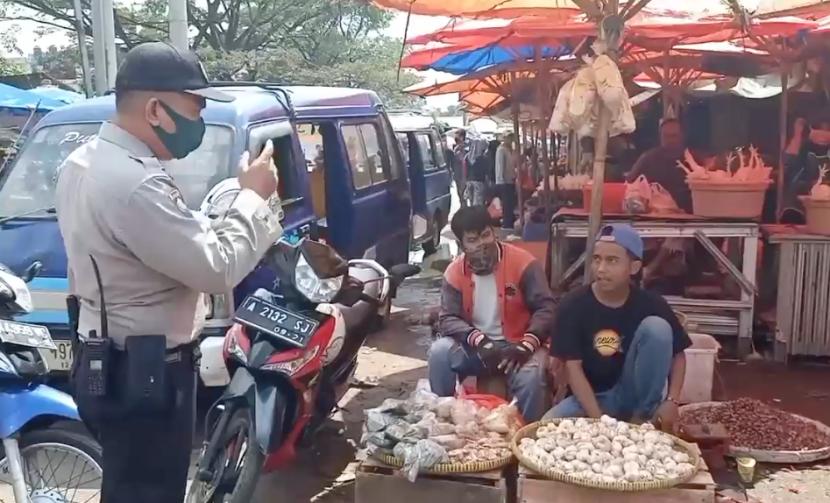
[(260, 175)]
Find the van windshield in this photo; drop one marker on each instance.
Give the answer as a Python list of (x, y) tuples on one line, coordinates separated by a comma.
[(30, 183)]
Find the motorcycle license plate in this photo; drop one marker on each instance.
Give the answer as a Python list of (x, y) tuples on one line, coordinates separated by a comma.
[(24, 334), (292, 328)]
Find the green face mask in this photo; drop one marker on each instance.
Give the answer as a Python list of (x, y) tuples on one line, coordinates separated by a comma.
[(187, 137)]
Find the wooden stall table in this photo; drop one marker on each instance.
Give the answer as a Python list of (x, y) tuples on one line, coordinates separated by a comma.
[(705, 313), (380, 483), (802, 312)]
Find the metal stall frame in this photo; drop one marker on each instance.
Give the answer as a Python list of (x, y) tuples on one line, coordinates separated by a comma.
[(700, 312), (803, 298)]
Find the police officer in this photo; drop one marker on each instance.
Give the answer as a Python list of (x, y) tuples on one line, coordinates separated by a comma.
[(117, 205)]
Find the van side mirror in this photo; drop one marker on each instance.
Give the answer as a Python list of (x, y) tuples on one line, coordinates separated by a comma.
[(32, 271)]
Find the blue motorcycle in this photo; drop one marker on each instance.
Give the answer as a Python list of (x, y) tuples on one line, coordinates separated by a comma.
[(47, 455)]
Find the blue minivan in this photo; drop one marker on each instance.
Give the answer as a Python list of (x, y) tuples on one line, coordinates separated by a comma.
[(425, 155), (342, 179)]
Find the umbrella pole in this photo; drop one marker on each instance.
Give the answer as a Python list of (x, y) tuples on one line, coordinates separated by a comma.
[(782, 131), (595, 218), (517, 154)]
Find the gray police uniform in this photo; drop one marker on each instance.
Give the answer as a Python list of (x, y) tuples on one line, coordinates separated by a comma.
[(115, 202)]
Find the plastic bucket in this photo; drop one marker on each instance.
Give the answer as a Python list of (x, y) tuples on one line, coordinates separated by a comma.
[(818, 215), (700, 369), (612, 197), (732, 200)]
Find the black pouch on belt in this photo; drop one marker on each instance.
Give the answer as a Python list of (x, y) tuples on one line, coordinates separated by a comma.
[(145, 383)]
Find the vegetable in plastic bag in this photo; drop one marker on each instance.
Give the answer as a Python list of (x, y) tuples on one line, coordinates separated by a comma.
[(637, 196), (502, 419), (463, 412), (377, 420), (423, 455), (393, 406), (662, 201)]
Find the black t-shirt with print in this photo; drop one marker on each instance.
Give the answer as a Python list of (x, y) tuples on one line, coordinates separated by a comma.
[(600, 336)]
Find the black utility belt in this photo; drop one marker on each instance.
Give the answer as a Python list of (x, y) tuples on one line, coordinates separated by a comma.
[(136, 375)]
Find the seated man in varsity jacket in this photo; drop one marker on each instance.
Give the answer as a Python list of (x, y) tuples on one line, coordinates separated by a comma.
[(496, 311)]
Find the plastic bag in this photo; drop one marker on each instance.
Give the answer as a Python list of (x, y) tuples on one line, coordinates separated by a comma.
[(662, 201), (637, 196), (405, 432), (622, 119), (376, 438), (443, 407), (423, 455), (559, 119), (609, 82), (463, 412), (503, 419), (393, 406), (583, 97), (377, 420)]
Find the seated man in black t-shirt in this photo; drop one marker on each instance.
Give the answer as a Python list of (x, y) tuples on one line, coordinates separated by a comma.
[(620, 344)]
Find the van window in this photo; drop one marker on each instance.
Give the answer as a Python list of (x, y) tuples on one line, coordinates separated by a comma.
[(361, 173), (29, 183), (438, 149), (373, 152), (394, 169), (290, 187), (427, 156), (403, 139), (313, 145)]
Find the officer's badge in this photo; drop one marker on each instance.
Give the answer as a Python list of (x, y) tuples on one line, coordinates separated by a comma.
[(176, 196)]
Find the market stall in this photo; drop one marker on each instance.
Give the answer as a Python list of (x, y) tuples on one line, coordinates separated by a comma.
[(731, 318)]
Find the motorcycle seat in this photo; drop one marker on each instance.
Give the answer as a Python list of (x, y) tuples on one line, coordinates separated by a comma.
[(362, 311)]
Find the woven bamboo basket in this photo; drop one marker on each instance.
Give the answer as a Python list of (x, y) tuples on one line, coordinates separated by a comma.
[(530, 431), (451, 468), (767, 456)]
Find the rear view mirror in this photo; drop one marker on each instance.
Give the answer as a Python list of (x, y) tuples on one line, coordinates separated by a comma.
[(32, 271), (323, 259)]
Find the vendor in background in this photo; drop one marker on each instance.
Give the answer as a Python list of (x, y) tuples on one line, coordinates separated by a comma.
[(659, 164), (620, 344), (496, 311), (461, 150), (506, 169), (807, 150)]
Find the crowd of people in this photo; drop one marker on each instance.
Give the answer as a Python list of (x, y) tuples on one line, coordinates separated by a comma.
[(484, 171)]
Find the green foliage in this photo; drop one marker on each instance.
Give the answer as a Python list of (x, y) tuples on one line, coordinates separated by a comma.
[(311, 42)]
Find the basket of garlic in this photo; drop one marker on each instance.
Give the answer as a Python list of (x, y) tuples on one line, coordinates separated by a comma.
[(817, 206), (605, 454), (726, 192)]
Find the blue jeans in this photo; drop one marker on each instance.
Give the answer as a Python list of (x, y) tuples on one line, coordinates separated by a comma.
[(449, 360), (640, 390)]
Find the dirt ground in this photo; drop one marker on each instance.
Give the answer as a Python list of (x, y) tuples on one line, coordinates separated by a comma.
[(394, 360)]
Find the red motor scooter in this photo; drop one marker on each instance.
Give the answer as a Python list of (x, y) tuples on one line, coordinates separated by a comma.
[(291, 353)]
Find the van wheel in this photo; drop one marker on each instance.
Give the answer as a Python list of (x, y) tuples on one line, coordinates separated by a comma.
[(431, 246)]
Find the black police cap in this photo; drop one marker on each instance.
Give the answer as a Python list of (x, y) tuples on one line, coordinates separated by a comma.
[(158, 66)]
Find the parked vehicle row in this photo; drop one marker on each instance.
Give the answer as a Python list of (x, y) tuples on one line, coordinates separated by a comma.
[(47, 455), (343, 181)]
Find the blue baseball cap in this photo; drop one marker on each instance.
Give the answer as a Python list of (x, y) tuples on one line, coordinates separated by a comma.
[(623, 235)]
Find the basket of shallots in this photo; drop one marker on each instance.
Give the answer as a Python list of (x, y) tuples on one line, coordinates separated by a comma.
[(817, 206), (730, 193)]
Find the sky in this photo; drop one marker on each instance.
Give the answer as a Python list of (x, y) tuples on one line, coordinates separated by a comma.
[(418, 25)]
